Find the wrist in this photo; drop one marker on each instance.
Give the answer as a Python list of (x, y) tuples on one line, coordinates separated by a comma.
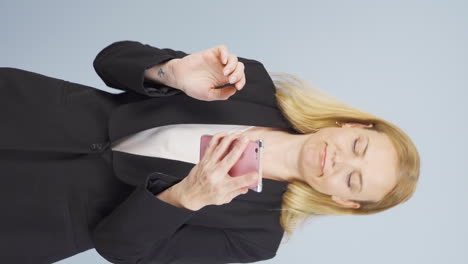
[(175, 196), (183, 197), (163, 73), (172, 68)]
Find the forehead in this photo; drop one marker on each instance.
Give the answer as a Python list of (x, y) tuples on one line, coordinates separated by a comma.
[(379, 171)]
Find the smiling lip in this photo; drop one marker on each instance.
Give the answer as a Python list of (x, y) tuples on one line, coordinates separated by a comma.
[(324, 156)]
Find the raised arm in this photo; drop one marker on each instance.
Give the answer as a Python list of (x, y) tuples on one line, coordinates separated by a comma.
[(122, 65)]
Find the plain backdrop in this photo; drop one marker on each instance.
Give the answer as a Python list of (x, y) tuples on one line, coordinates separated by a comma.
[(405, 61)]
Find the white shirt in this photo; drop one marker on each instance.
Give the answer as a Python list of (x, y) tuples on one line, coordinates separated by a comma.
[(178, 141)]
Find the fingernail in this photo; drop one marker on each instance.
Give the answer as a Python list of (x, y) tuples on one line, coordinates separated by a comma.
[(232, 79)]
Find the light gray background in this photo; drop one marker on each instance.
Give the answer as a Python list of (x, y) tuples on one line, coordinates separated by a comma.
[(405, 61)]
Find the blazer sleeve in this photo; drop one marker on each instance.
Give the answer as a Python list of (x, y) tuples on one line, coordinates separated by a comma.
[(122, 64), (145, 229)]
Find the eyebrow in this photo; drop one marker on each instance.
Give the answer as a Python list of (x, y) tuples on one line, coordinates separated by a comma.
[(360, 173)]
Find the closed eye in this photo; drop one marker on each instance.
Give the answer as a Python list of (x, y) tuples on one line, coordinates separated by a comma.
[(349, 179), (351, 173)]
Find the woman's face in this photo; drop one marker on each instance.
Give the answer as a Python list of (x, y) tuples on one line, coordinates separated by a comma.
[(359, 164)]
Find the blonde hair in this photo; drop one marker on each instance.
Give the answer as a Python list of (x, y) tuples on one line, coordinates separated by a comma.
[(309, 109)]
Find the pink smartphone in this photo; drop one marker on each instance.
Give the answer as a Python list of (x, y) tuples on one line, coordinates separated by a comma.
[(250, 159)]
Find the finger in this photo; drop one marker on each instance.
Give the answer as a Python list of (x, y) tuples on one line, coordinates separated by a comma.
[(221, 94), (237, 74), (233, 156), (222, 147), (243, 181), (240, 84), (236, 193), (231, 64), (213, 143), (223, 53)]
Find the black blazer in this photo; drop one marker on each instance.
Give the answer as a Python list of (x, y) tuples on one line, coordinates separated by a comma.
[(144, 229)]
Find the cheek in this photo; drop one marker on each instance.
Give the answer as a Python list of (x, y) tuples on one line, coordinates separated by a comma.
[(311, 155), (332, 185)]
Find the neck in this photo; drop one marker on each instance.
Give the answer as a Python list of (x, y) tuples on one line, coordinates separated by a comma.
[(282, 153)]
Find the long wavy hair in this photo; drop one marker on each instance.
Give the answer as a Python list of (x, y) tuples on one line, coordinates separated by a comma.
[(309, 109)]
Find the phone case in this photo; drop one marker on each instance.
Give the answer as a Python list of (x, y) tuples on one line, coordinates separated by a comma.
[(250, 159)]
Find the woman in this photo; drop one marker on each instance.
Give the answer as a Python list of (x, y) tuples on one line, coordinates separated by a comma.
[(84, 168)]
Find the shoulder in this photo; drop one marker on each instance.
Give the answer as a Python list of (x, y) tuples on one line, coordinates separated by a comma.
[(256, 71), (259, 87), (256, 65), (248, 60)]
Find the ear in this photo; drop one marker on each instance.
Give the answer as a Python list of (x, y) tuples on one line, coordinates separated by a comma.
[(345, 202), (360, 125)]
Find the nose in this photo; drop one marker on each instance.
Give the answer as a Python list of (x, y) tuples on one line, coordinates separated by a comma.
[(341, 158)]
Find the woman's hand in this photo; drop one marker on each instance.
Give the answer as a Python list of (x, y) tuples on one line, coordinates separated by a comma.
[(198, 74), (209, 182)]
